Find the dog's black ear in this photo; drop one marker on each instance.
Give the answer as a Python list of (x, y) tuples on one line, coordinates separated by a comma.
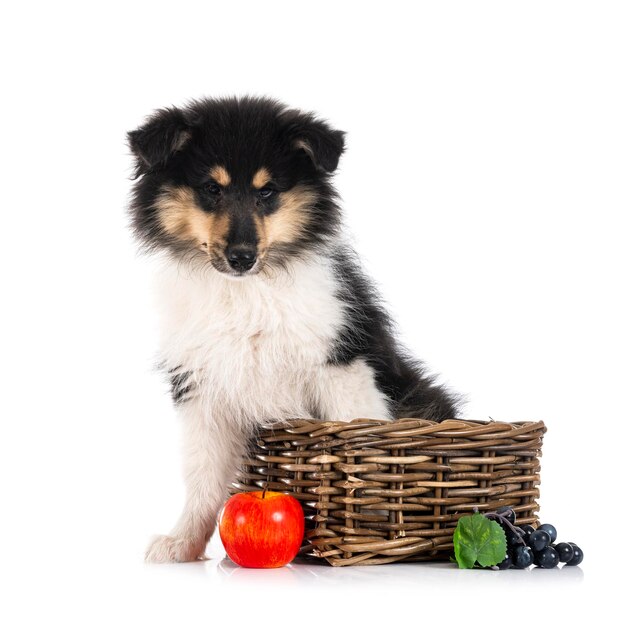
[(165, 132), (323, 144)]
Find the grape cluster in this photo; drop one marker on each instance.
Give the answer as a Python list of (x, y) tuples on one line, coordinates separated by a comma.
[(526, 546)]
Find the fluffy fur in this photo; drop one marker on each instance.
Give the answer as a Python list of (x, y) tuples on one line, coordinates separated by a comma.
[(266, 315)]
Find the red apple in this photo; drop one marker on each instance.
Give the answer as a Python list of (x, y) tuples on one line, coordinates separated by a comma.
[(262, 528)]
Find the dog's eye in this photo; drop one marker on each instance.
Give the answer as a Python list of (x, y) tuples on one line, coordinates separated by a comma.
[(213, 189), (266, 192)]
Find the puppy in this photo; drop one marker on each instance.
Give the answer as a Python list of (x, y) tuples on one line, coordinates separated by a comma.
[(266, 314)]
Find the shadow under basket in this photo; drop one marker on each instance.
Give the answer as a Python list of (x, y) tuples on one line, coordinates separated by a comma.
[(377, 491)]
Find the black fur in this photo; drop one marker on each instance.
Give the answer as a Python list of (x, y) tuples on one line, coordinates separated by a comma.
[(369, 334), (181, 385), (178, 146)]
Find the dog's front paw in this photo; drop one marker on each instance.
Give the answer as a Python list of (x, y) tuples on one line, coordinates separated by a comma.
[(164, 549)]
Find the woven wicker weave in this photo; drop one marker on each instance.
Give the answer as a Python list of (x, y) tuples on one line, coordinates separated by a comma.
[(382, 491)]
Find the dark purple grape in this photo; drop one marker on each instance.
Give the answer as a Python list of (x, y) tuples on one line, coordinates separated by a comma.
[(528, 530), (523, 557), (550, 530), (539, 540), (506, 563), (578, 555), (565, 551), (513, 538), (547, 558), (507, 512)]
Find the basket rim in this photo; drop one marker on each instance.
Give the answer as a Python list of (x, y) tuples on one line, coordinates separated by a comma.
[(399, 426)]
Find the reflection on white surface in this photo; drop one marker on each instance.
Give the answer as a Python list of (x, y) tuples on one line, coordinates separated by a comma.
[(420, 574), (304, 593), (301, 575)]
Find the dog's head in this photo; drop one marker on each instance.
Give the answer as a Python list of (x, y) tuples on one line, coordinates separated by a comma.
[(242, 184)]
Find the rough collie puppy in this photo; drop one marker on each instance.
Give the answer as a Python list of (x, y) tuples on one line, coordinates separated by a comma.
[(266, 313)]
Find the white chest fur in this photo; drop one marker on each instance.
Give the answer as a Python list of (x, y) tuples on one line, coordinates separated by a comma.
[(256, 346)]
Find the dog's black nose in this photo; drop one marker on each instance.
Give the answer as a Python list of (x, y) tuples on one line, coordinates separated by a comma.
[(240, 258)]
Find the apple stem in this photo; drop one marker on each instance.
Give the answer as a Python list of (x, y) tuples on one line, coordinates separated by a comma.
[(264, 490)]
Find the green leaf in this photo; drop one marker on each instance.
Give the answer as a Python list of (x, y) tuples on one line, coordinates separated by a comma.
[(478, 539)]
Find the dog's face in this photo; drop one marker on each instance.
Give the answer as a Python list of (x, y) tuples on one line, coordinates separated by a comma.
[(241, 185)]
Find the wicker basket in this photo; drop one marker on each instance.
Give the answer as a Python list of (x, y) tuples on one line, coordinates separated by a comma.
[(382, 491)]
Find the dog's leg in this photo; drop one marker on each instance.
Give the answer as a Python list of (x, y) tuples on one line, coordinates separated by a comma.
[(213, 448), (347, 392)]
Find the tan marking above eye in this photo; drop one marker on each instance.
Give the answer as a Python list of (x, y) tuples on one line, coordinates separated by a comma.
[(220, 175), (181, 217), (261, 178)]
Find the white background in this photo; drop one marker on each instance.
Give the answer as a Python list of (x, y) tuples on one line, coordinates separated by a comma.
[(480, 189)]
